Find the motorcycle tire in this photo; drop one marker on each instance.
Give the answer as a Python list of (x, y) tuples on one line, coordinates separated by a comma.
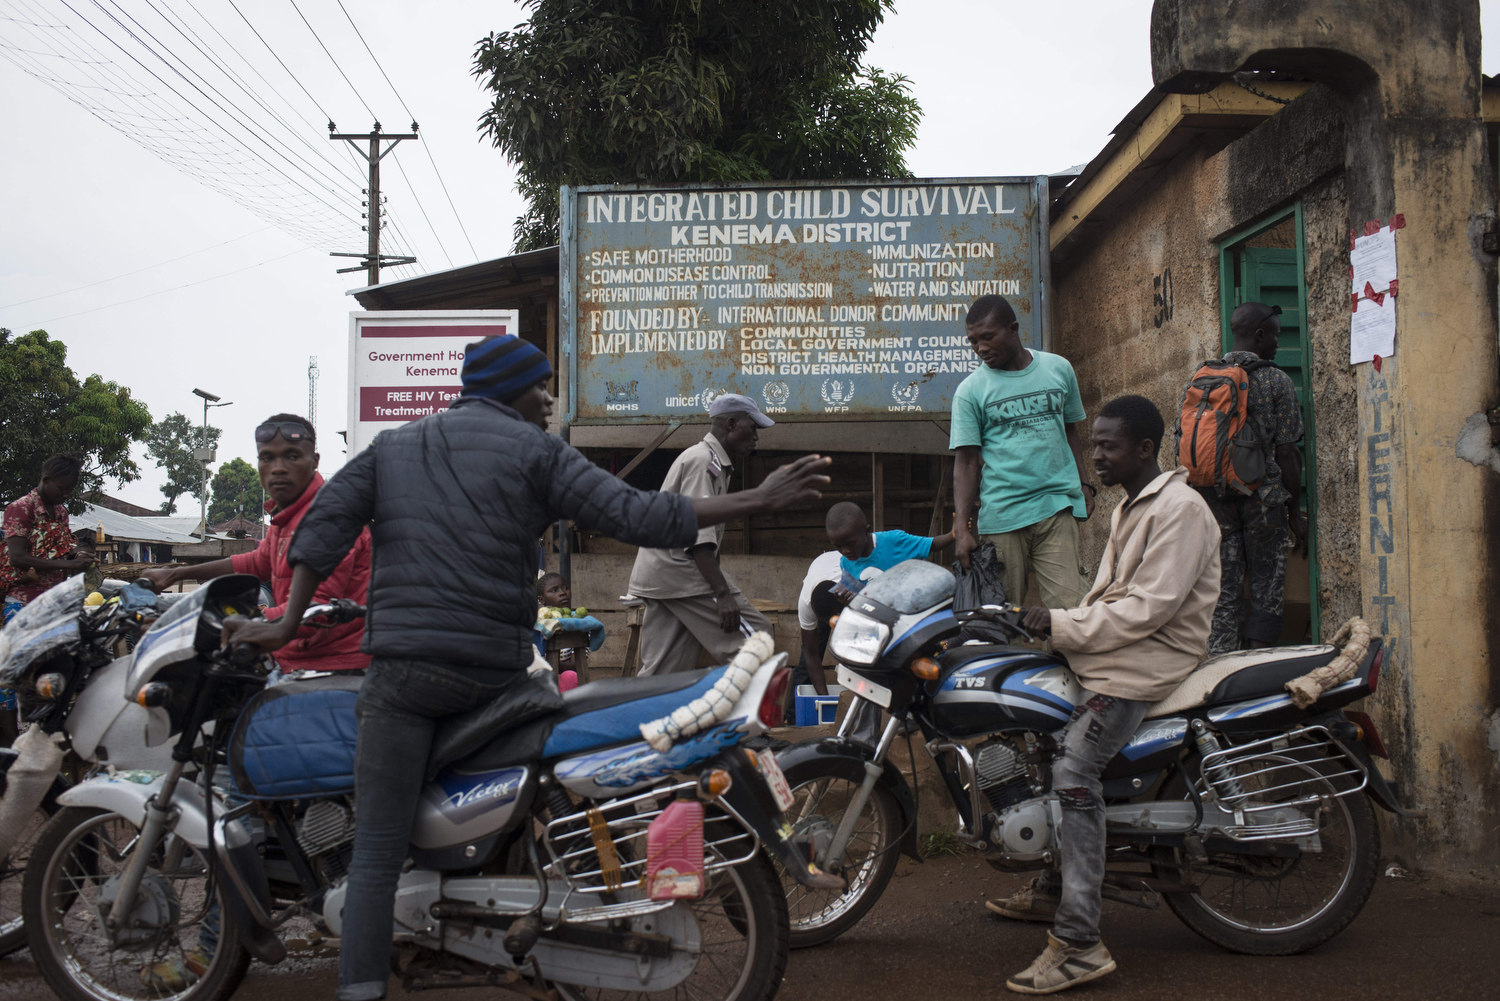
[(742, 903), (72, 869), (820, 799), (13, 870), (1280, 906)]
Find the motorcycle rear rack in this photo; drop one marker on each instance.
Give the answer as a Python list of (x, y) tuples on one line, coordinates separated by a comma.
[(1294, 769), (570, 844)]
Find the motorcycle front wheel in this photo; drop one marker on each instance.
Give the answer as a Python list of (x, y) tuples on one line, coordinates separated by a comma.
[(820, 802), (180, 942), (1285, 900), (742, 931)]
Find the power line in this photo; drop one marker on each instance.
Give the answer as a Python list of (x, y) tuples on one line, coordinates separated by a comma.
[(170, 260), (427, 147), (335, 62), (175, 288)]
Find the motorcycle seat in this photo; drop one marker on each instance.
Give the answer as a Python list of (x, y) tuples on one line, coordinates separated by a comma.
[(1242, 674), (598, 714)]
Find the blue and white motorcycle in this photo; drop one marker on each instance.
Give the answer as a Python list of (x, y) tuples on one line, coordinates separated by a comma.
[(1244, 799), (538, 861)]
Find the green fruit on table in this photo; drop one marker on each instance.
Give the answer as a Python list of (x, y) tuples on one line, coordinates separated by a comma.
[(580, 612)]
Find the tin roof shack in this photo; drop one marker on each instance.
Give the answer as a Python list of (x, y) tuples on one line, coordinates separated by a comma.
[(895, 469), (1276, 134)]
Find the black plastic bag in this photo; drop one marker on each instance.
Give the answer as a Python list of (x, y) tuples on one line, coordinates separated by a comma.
[(981, 584)]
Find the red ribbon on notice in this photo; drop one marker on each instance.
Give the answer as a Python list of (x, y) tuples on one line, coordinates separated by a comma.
[(1398, 221), (1376, 362)]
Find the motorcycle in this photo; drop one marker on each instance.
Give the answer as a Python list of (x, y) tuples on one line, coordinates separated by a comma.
[(67, 663), (538, 862), (1249, 816)]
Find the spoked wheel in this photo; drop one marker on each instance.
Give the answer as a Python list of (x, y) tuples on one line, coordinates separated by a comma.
[(818, 808), (12, 868), (167, 950), (1290, 895), (741, 942)]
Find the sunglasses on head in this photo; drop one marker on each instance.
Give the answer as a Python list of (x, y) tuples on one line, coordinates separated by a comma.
[(292, 431), (1270, 311)]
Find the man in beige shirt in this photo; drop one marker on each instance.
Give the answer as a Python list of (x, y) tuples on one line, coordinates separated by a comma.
[(689, 602), (1140, 631)]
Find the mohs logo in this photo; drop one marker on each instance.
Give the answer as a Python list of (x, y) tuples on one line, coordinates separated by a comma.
[(837, 393), (905, 395), (622, 392), (706, 397), (776, 395)]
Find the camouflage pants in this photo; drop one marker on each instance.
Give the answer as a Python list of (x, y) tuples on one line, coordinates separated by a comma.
[(1252, 547)]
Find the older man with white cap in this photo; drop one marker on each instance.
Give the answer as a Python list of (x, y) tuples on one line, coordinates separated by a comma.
[(689, 601)]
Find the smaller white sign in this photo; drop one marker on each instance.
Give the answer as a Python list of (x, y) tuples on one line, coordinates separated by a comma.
[(408, 364)]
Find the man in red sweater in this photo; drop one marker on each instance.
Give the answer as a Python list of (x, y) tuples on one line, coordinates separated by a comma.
[(287, 460)]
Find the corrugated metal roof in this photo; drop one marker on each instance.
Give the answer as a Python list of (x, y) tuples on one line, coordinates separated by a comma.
[(122, 526), (501, 283)]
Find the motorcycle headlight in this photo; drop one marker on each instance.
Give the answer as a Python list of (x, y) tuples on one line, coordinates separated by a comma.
[(858, 639)]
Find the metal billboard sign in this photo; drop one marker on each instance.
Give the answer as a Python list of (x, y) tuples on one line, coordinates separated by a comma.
[(406, 364), (821, 301)]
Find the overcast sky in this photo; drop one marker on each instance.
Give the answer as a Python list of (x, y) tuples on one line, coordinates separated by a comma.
[(231, 301)]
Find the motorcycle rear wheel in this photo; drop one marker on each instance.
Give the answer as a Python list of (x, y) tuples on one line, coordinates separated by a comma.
[(1265, 906), (72, 867), (12, 869), (819, 804), (743, 928)]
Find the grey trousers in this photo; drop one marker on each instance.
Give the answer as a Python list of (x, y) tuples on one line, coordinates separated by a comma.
[(673, 629), (1101, 725)]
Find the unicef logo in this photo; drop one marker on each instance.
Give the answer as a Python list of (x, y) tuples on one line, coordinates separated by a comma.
[(708, 396), (776, 394), (905, 393), (837, 393)]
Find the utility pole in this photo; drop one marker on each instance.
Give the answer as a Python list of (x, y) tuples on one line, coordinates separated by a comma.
[(372, 256), (312, 390)]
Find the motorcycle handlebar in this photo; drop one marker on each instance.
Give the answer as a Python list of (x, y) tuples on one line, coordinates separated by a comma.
[(1007, 617)]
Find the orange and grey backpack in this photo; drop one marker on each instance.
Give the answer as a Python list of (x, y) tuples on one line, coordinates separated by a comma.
[(1219, 445)]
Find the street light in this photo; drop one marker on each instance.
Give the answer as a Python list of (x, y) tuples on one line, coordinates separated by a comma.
[(204, 454)]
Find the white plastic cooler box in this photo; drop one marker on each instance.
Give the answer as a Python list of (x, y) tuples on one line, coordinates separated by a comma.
[(812, 709)]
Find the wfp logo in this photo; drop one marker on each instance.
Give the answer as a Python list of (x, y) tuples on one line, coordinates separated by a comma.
[(776, 394), (837, 393)]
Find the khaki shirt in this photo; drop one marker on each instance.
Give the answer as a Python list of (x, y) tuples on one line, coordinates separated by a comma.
[(1143, 627), (702, 470)]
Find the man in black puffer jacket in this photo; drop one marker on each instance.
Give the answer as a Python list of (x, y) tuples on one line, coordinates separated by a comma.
[(455, 503)]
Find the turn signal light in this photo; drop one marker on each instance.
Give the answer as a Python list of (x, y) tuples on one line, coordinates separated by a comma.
[(153, 695), (714, 783), (925, 668), (50, 686)]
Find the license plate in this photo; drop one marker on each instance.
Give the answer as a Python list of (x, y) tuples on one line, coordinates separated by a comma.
[(775, 778)]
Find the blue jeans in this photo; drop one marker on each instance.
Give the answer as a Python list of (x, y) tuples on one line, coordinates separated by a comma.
[(1101, 725), (399, 708)]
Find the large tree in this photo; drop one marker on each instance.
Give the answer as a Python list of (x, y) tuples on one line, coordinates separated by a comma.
[(235, 490), (47, 411), (618, 91), (171, 441)]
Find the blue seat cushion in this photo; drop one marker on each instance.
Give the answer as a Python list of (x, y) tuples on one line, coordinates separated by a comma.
[(621, 721), (296, 740)]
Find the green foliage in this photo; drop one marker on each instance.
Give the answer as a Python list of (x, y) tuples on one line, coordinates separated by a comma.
[(621, 91), (235, 490), (170, 441), (47, 411), (938, 843)]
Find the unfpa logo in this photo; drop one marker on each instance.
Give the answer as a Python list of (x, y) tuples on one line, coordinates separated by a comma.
[(905, 394)]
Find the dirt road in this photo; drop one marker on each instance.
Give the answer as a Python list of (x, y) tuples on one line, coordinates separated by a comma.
[(930, 939)]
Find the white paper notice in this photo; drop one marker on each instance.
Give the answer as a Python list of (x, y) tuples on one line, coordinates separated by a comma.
[(1372, 327), (1374, 261), (1372, 330)]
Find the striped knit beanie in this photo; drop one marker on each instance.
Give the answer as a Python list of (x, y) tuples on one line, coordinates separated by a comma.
[(502, 368)]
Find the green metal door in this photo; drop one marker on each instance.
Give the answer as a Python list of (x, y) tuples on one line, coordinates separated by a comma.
[(1273, 275)]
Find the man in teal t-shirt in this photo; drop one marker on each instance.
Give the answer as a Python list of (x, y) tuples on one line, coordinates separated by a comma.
[(1015, 418)]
